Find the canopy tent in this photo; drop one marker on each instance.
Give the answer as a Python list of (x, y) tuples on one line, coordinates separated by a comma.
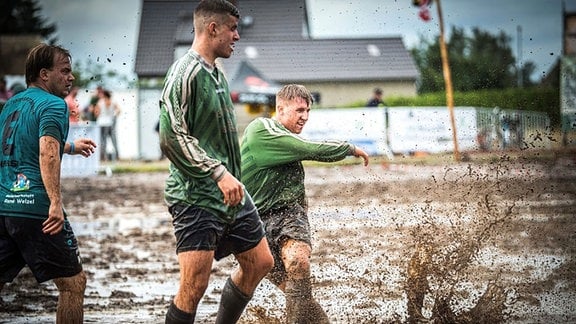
[(251, 87)]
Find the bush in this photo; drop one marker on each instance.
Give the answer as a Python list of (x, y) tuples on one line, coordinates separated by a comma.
[(543, 99)]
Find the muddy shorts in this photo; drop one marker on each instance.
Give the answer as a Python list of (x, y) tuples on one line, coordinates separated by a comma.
[(22, 242), (290, 222), (199, 230)]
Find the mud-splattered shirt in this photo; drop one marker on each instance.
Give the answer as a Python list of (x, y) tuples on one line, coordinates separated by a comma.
[(198, 134), (25, 118), (272, 170)]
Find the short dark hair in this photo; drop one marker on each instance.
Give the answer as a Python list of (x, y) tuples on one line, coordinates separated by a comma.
[(42, 57), (207, 7)]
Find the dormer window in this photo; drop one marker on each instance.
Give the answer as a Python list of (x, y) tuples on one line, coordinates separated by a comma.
[(251, 52), (373, 50)]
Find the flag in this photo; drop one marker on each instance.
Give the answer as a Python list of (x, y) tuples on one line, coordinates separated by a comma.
[(424, 12)]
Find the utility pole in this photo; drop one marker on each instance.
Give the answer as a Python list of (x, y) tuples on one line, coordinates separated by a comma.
[(448, 82)]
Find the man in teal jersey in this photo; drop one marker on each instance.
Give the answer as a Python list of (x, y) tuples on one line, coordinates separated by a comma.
[(34, 228), (212, 214), (273, 174)]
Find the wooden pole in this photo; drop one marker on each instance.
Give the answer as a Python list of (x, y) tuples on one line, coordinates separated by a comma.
[(447, 82)]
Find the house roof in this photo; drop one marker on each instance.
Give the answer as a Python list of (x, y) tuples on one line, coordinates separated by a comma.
[(327, 60), (274, 39), (156, 36)]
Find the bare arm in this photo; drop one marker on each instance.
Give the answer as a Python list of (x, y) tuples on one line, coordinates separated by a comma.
[(358, 152), (50, 172), (117, 110)]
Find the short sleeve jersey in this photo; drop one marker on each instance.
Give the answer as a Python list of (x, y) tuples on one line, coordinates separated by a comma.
[(198, 134), (26, 117), (272, 170)]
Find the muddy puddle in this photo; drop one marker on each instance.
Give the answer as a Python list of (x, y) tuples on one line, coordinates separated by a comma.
[(391, 244)]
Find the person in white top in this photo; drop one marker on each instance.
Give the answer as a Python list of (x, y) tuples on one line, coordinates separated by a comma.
[(106, 112)]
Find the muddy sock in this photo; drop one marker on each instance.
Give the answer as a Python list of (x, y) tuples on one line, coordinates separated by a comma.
[(178, 316), (301, 308), (232, 303)]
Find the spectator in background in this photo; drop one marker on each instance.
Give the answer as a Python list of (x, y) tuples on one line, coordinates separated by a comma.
[(17, 88), (157, 130), (106, 112), (376, 99), (88, 112), (73, 105), (5, 93)]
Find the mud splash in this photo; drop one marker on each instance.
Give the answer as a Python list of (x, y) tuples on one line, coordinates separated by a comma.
[(500, 245)]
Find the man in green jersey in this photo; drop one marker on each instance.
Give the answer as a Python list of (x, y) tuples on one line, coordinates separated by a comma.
[(273, 174), (34, 228), (212, 214)]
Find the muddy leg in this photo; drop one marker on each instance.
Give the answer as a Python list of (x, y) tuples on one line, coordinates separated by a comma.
[(71, 299), (301, 308)]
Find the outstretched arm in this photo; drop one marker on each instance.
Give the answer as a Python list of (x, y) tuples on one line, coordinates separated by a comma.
[(358, 152)]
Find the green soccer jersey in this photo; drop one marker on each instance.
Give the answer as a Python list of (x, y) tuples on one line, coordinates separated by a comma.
[(198, 134), (272, 170), (25, 118)]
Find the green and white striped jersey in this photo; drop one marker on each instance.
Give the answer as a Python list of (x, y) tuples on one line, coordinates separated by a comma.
[(198, 134)]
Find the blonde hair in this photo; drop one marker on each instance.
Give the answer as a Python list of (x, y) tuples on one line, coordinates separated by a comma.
[(293, 91)]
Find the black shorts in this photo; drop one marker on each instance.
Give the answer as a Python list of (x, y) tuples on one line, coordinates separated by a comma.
[(22, 242), (197, 229), (290, 222)]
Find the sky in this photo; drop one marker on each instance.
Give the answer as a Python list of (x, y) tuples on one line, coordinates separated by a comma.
[(107, 30)]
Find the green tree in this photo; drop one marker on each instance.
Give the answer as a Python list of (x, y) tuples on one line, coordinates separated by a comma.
[(89, 74), (477, 62), (18, 17)]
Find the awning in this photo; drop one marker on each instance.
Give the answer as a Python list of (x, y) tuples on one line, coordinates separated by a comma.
[(251, 87)]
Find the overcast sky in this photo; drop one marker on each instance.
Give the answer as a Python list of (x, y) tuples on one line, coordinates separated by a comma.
[(108, 29)]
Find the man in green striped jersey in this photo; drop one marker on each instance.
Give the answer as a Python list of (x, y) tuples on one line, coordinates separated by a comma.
[(273, 174), (212, 214)]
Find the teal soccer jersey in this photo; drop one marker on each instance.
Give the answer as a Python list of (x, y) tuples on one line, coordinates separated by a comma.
[(272, 170), (198, 134), (25, 118)]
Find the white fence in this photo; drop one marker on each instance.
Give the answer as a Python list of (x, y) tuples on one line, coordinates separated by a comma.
[(77, 165), (405, 130), (379, 131)]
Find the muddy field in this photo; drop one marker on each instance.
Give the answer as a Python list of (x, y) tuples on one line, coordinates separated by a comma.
[(460, 242)]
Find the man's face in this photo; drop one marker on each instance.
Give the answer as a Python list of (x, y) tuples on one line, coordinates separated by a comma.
[(226, 35), (59, 78), (293, 114)]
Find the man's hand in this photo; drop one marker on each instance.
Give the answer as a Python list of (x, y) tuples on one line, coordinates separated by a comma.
[(83, 146), (232, 189), (53, 225), (358, 152)]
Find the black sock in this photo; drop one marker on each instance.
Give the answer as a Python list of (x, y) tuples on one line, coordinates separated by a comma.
[(232, 303), (178, 316)]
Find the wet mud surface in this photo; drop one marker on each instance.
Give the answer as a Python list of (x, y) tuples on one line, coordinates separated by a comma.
[(391, 243)]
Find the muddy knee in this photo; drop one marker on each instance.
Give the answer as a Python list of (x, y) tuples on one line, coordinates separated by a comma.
[(296, 259), (74, 285)]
